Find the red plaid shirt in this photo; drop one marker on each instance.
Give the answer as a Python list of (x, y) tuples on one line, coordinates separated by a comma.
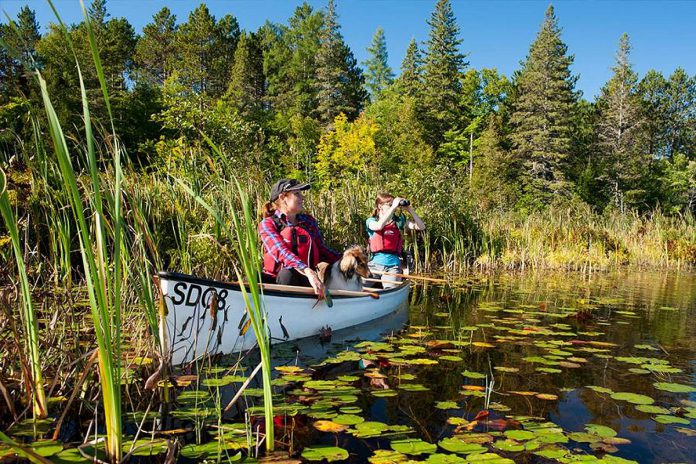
[(275, 246)]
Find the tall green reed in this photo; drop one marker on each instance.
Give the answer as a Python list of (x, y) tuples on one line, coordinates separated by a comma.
[(31, 330), (245, 240), (100, 240)]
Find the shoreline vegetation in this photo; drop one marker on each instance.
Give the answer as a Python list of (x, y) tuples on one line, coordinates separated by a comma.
[(498, 190), (118, 163)]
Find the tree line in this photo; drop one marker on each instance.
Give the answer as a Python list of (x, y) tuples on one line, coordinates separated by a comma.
[(291, 99)]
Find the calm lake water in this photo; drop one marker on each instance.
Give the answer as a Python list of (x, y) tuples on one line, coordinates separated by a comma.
[(543, 339), (529, 368)]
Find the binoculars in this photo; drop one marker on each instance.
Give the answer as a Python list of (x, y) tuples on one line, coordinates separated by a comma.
[(404, 203)]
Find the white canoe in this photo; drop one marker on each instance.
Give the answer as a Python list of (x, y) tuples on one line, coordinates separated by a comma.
[(190, 331)]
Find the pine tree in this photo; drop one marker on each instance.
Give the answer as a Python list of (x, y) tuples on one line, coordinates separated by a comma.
[(245, 91), (290, 62), (443, 67), (378, 75), (155, 51), (339, 79), (652, 90), (205, 51), (542, 115), (619, 129), (18, 54), (410, 80), (681, 114)]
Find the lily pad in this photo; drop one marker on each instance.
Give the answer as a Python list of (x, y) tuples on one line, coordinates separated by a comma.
[(473, 375), (70, 456), (413, 446), (508, 445), (348, 419), (674, 387), (441, 458), (446, 405), (490, 458), (600, 430), (319, 453), (506, 369), (46, 448), (633, 398), (583, 437), (520, 435), (369, 429), (665, 419), (458, 446), (329, 426), (552, 452), (387, 457), (652, 409), (601, 389)]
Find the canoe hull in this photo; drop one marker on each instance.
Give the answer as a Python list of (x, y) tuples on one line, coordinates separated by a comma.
[(192, 329)]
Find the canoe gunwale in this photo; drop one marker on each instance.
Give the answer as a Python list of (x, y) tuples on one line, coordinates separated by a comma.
[(175, 276)]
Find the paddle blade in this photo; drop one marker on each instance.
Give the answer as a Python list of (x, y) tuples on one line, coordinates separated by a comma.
[(327, 297)]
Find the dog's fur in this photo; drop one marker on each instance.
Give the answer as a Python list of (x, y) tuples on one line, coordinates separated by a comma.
[(346, 273)]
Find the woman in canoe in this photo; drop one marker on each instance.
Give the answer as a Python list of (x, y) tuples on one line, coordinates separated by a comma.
[(385, 231), (292, 242)]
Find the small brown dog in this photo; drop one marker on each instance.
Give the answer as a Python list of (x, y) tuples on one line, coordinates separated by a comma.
[(346, 273)]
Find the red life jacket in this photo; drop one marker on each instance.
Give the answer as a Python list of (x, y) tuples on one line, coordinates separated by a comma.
[(387, 240), (300, 242)]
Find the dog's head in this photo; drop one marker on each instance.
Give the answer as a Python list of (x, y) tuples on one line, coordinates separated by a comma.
[(354, 261)]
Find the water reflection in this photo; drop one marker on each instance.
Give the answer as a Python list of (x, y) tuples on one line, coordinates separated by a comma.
[(655, 310)]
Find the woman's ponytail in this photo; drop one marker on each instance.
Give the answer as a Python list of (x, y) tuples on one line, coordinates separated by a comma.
[(270, 207)]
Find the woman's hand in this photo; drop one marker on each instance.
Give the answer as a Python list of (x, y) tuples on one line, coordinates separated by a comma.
[(314, 281)]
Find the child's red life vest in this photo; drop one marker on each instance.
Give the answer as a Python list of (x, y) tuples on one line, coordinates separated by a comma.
[(300, 242), (387, 240)]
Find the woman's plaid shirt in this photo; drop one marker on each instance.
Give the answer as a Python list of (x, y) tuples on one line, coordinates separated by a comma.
[(275, 246)]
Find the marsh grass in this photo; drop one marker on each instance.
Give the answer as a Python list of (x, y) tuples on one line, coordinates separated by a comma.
[(31, 330)]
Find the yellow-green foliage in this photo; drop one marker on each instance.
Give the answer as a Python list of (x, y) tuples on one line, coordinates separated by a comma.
[(347, 149)]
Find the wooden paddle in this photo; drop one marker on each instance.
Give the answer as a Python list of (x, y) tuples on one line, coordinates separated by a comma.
[(411, 277), (310, 290)]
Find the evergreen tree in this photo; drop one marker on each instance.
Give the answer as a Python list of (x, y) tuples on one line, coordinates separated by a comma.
[(246, 87), (116, 41), (290, 62), (378, 75), (18, 53), (619, 129), (542, 115), (681, 114), (18, 57), (652, 90), (339, 79), (155, 51), (205, 51), (410, 80), (493, 180), (443, 66)]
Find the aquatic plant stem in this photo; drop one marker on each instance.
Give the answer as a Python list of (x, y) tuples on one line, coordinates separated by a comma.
[(31, 330)]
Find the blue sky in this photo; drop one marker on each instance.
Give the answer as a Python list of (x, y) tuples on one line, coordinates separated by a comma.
[(494, 33)]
